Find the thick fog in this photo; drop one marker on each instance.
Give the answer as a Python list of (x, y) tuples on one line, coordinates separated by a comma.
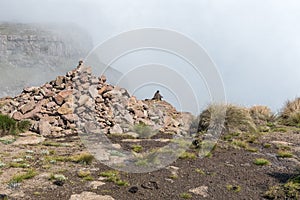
[(255, 44)]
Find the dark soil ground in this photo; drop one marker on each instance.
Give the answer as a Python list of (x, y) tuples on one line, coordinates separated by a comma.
[(228, 173)]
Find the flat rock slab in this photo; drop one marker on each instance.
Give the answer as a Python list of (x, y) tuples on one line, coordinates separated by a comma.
[(148, 140), (29, 140), (90, 196), (201, 191), (95, 184)]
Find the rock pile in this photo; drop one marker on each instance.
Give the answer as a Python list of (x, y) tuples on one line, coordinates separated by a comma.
[(79, 99)]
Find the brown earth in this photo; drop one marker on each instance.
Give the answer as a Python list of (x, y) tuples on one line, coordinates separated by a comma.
[(228, 165)]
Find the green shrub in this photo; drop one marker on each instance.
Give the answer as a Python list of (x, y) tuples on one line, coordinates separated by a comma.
[(7, 124), (11, 126), (23, 126)]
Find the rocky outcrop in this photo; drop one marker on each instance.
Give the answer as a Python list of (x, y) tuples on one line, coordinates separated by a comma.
[(79, 99)]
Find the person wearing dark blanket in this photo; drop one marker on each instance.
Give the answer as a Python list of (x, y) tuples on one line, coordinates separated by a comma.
[(157, 96)]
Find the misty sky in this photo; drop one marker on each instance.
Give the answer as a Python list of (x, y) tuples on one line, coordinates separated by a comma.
[(255, 44)]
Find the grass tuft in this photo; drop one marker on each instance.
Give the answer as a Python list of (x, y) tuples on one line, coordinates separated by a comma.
[(284, 154), (18, 178), (261, 161), (234, 188), (290, 114), (84, 158), (236, 119), (137, 148), (185, 195), (188, 155), (114, 176)]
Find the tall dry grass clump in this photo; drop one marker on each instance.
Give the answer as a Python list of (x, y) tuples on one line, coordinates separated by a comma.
[(261, 114), (290, 114), (237, 119)]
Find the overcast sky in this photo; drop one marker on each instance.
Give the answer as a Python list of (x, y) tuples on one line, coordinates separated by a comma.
[(255, 44)]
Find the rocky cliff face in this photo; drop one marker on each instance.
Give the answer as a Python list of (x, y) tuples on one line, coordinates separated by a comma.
[(24, 45), (31, 54)]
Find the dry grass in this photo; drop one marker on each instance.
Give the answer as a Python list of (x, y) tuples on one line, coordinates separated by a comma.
[(261, 114), (290, 114), (237, 119)]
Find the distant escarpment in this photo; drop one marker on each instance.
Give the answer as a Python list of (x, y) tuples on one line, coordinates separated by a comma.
[(29, 45), (32, 53)]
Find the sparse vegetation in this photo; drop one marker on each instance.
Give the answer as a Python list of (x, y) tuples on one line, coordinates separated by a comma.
[(188, 155), (261, 161), (11, 126), (185, 195), (83, 173), (290, 114), (239, 143), (84, 158), (289, 190), (237, 119), (143, 130), (114, 176), (234, 188), (284, 154), (261, 114), (57, 177), (20, 177), (55, 144), (137, 148), (200, 171), (19, 165)]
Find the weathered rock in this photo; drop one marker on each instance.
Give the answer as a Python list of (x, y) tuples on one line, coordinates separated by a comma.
[(102, 90), (27, 107), (58, 99), (93, 91), (44, 128), (30, 89), (65, 109), (17, 116), (202, 191), (95, 184), (29, 140), (70, 117), (83, 99), (38, 97), (62, 95), (51, 105), (90, 196), (59, 80), (103, 79), (116, 129), (128, 118)]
